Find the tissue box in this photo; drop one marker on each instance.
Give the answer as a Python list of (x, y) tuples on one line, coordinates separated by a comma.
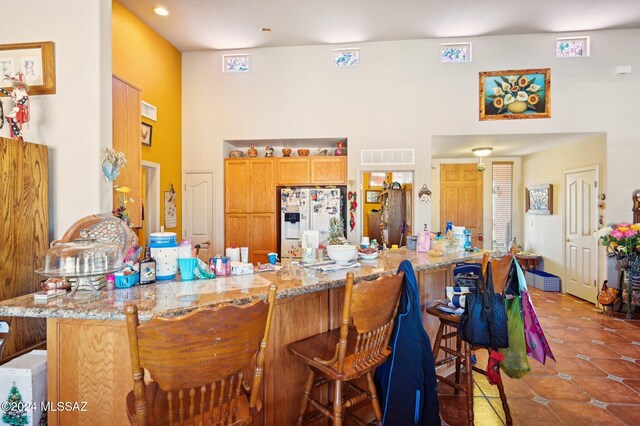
[(241, 268), (28, 373)]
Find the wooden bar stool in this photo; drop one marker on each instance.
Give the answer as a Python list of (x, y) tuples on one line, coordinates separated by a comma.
[(4, 336), (355, 349), (200, 363), (448, 329)]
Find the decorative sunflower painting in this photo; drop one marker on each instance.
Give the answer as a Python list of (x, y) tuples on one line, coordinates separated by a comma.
[(515, 94)]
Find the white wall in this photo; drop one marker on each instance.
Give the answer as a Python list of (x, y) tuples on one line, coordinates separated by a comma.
[(543, 234), (402, 95), (487, 195), (75, 123)]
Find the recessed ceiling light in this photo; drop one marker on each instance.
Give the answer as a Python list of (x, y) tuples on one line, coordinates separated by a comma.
[(161, 11), (482, 152), (266, 30)]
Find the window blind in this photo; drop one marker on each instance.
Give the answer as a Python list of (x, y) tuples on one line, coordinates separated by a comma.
[(502, 187)]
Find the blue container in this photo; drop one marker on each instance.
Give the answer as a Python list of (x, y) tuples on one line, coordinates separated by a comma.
[(127, 281), (164, 249), (545, 281)]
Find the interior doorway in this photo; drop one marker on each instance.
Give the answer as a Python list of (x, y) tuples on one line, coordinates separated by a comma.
[(393, 190), (581, 221), (198, 212), (150, 200)]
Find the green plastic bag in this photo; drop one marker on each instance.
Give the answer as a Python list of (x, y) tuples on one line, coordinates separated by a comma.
[(515, 363)]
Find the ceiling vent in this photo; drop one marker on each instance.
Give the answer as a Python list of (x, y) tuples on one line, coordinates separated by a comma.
[(149, 111), (388, 157)]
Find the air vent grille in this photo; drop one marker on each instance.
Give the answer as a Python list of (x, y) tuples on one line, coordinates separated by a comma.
[(149, 111), (387, 157)]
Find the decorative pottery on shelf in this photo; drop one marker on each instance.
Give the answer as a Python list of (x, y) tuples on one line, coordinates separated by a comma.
[(268, 151), (322, 152), (236, 154), (341, 149), (253, 152), (303, 152), (286, 152)]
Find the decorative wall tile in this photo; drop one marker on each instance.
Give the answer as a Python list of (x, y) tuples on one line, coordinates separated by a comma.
[(346, 58), (236, 63), (572, 47), (455, 52)]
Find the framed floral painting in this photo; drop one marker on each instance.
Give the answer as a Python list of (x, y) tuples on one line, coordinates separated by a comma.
[(515, 94)]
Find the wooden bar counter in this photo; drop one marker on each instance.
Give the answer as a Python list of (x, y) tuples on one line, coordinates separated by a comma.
[(88, 348)]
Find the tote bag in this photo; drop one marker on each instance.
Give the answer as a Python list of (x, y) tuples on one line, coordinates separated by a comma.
[(484, 321)]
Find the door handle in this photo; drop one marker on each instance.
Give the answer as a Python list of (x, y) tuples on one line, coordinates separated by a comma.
[(568, 240)]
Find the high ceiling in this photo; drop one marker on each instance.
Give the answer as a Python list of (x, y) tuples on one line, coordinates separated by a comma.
[(235, 24)]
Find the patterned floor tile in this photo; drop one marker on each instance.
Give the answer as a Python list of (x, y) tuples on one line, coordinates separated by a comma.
[(574, 413), (555, 388), (620, 367), (628, 414), (607, 390)]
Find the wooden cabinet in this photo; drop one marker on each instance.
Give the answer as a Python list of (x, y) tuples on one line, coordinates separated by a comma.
[(250, 206), (393, 216), (374, 230), (236, 186), (311, 171), (293, 171), (24, 208), (254, 230), (126, 138), (262, 191), (329, 170)]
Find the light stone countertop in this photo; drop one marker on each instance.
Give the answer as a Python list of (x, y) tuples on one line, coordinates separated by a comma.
[(172, 298)]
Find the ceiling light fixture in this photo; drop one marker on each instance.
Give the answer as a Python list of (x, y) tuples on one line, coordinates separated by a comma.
[(159, 10), (482, 152)]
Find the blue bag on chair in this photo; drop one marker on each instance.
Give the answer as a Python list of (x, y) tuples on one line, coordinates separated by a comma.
[(484, 321)]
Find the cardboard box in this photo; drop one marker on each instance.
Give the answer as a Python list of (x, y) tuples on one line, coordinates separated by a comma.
[(29, 374)]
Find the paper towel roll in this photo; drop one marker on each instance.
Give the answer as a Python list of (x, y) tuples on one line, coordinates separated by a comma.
[(233, 253)]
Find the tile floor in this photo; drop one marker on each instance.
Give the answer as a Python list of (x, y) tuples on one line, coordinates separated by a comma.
[(595, 381)]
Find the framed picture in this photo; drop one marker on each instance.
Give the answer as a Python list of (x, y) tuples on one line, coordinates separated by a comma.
[(35, 61), (147, 131), (515, 94), (539, 199), (372, 196)]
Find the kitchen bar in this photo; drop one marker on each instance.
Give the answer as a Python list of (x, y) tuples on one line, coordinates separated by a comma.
[(88, 350)]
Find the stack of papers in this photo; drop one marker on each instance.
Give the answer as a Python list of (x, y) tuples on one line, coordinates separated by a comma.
[(335, 266)]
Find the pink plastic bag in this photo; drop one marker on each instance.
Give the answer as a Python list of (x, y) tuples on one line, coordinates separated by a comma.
[(537, 346)]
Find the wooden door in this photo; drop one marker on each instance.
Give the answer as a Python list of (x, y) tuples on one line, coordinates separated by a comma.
[(126, 139), (293, 171), (329, 170), (237, 230), (24, 233), (262, 187), (581, 249), (236, 186), (461, 198), (198, 213), (263, 236)]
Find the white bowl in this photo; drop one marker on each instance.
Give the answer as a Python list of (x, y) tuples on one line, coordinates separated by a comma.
[(368, 256), (341, 253)]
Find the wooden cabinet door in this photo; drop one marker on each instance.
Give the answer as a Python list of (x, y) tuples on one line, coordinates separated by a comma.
[(263, 236), (126, 139), (236, 186), (237, 230), (329, 170), (293, 171), (262, 185)]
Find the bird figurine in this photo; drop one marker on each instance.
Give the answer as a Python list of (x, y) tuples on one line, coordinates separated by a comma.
[(607, 298)]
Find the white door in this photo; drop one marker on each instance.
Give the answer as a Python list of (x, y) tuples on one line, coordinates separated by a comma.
[(198, 211), (581, 249)]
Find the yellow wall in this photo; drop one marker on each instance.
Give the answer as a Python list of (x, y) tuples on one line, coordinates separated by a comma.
[(145, 59)]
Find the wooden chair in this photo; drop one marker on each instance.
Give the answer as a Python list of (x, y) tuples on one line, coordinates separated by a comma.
[(4, 335), (355, 349), (462, 353), (199, 363)]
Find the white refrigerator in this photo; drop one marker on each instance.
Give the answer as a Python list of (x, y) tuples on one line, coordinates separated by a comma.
[(307, 208)]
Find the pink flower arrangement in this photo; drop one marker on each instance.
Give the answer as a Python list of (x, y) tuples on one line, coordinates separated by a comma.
[(622, 240)]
